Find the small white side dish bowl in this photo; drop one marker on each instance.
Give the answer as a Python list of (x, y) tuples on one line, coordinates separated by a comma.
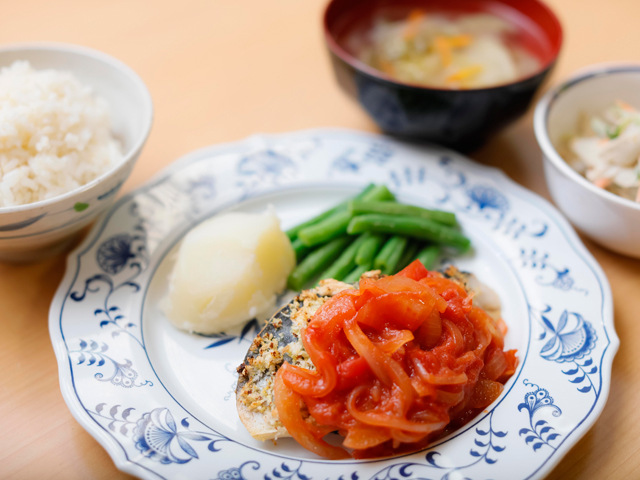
[(33, 231), (610, 220)]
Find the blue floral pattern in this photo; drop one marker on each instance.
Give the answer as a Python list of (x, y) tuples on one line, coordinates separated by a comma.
[(344, 163), (571, 340), (286, 472), (264, 167), (485, 202), (204, 186), (487, 445), (122, 375), (114, 254), (156, 435), (265, 163), (540, 433), (110, 314), (352, 160), (235, 473), (559, 278), (221, 338), (487, 197), (100, 343)]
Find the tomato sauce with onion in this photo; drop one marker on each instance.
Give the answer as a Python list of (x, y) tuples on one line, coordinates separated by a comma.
[(399, 361)]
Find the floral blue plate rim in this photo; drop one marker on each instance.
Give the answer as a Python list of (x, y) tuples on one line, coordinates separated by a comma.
[(565, 295)]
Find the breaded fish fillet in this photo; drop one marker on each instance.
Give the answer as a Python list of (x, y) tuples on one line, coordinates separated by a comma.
[(279, 341)]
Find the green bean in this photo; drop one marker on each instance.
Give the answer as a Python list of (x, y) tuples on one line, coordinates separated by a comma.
[(379, 193), (336, 224), (327, 229), (357, 272), (409, 226), (384, 252), (408, 256), (292, 233), (316, 262), (300, 249), (358, 207), (388, 256), (369, 248), (393, 259), (428, 256), (346, 262)]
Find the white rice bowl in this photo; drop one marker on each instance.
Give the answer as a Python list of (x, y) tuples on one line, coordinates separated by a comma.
[(55, 135)]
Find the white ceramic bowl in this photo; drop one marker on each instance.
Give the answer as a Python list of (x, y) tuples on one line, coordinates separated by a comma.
[(610, 220), (29, 232)]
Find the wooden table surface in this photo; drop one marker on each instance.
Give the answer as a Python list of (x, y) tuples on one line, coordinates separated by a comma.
[(222, 70)]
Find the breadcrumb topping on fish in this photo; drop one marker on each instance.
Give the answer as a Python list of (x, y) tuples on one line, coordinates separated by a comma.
[(280, 341)]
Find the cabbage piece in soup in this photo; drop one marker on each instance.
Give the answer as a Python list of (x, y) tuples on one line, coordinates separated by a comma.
[(443, 51)]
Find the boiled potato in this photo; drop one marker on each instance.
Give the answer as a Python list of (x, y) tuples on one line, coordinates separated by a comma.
[(228, 270)]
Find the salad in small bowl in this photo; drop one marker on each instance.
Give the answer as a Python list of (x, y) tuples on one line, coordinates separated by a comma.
[(589, 131)]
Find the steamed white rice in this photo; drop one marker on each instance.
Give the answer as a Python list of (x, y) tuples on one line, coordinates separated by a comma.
[(55, 135)]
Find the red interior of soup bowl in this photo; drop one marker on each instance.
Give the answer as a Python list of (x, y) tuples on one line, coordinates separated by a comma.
[(539, 30)]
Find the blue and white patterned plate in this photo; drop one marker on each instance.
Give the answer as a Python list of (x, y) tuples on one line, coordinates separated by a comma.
[(161, 401)]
